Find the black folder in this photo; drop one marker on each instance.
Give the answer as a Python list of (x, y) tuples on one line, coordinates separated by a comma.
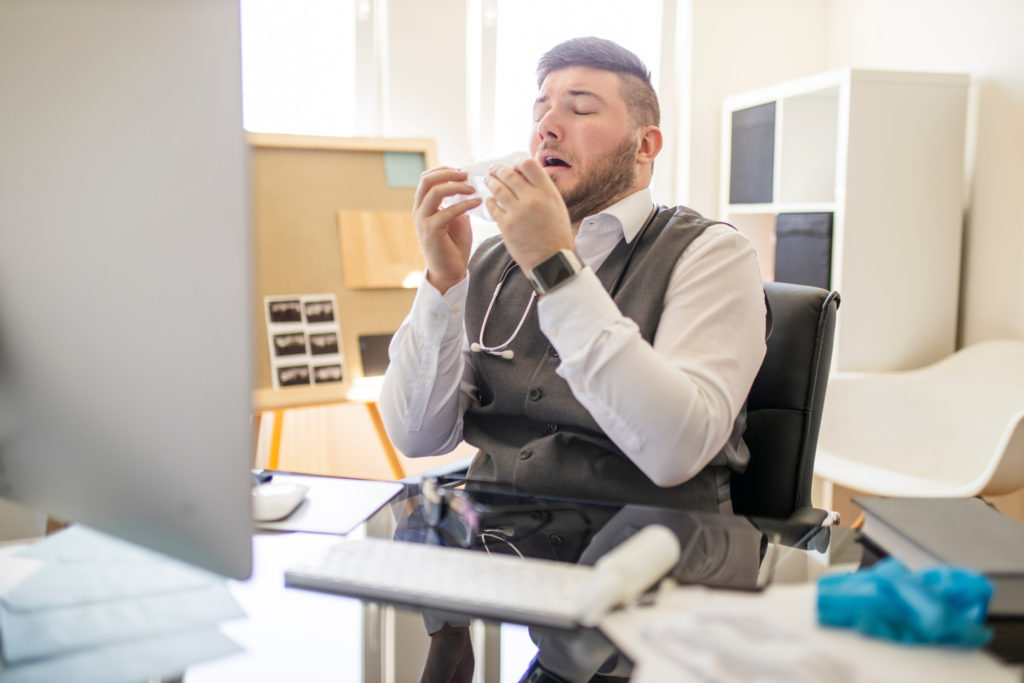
[(803, 249), (962, 532), (753, 155), (373, 353)]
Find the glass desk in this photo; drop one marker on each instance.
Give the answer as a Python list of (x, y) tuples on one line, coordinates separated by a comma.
[(717, 551), (311, 636)]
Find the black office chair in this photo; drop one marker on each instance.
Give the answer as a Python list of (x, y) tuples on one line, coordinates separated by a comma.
[(785, 405), (784, 408)]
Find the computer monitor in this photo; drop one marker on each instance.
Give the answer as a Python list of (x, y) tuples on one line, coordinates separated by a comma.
[(125, 309)]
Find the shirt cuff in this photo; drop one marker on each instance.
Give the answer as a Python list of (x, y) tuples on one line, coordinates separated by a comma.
[(432, 310), (435, 321)]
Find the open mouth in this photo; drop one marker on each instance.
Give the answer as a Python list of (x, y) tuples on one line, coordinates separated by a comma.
[(555, 161)]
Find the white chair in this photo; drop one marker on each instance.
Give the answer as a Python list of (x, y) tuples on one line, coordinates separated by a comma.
[(951, 429)]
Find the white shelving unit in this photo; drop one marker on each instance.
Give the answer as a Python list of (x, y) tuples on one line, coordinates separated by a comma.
[(883, 152)]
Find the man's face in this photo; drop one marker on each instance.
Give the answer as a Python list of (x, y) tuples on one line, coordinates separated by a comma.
[(584, 139)]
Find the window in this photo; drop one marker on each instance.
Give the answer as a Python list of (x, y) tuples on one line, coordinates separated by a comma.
[(299, 66), (321, 67)]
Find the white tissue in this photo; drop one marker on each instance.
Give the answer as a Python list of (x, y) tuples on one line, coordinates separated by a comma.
[(477, 171)]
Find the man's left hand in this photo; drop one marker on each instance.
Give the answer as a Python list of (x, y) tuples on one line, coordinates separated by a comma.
[(530, 212)]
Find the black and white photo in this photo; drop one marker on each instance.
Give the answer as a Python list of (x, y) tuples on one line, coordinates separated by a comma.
[(293, 375), (290, 344), (289, 311), (320, 311), (327, 373), (321, 344)]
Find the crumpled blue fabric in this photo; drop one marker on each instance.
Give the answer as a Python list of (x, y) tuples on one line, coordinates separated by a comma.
[(940, 605)]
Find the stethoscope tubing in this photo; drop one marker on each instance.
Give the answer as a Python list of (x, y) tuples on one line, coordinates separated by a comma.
[(501, 350)]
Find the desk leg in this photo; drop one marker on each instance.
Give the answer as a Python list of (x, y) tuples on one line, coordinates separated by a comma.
[(389, 450), (274, 457), (255, 422)]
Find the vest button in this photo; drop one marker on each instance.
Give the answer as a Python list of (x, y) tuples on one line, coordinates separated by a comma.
[(535, 394), (552, 352), (525, 454), (550, 428), (555, 539)]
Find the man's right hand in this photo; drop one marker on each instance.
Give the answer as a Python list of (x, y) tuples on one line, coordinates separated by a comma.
[(445, 234)]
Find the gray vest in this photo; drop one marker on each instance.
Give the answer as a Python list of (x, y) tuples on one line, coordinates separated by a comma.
[(530, 429)]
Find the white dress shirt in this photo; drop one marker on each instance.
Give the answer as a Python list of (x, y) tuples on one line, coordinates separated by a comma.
[(670, 405)]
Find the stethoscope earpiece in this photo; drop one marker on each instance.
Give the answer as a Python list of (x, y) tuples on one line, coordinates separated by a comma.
[(507, 354)]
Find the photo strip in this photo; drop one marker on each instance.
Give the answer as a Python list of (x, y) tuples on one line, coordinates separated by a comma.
[(304, 339)]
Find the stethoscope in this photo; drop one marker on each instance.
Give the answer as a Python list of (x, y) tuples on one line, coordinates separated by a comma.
[(501, 350)]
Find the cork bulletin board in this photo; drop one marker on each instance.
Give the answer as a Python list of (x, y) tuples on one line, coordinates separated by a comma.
[(332, 224)]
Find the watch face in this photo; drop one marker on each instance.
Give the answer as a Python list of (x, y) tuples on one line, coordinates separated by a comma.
[(553, 271)]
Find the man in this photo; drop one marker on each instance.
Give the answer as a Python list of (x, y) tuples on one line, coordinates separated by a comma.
[(626, 378), (602, 347)]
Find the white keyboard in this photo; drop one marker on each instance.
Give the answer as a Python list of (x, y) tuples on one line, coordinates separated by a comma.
[(472, 582), (504, 587)]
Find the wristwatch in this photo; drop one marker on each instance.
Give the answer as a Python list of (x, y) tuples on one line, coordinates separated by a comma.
[(555, 270)]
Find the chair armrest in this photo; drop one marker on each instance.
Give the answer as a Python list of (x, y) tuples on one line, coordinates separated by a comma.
[(812, 515), (454, 468), (804, 527)]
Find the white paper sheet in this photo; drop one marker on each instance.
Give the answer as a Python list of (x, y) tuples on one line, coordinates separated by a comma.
[(80, 565), (52, 632), (126, 662), (91, 590)]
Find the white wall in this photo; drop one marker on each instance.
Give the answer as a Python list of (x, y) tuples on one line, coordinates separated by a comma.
[(739, 45), (426, 62), (982, 38)]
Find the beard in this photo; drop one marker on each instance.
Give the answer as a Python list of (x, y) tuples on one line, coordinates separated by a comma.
[(611, 180)]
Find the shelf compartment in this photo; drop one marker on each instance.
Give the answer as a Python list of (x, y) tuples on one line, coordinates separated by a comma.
[(809, 126)]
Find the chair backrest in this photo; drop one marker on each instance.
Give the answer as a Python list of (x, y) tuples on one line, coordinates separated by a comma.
[(786, 401)]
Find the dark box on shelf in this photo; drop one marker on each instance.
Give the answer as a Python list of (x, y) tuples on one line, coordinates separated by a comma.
[(753, 155), (803, 249)]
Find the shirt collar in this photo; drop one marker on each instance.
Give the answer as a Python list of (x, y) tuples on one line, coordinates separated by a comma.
[(630, 213)]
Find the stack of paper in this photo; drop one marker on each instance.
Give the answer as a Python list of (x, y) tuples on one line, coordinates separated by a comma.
[(83, 606)]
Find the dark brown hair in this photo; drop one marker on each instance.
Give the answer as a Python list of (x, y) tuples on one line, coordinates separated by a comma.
[(598, 53)]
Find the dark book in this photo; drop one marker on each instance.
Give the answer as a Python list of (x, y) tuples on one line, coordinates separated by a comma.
[(962, 532)]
